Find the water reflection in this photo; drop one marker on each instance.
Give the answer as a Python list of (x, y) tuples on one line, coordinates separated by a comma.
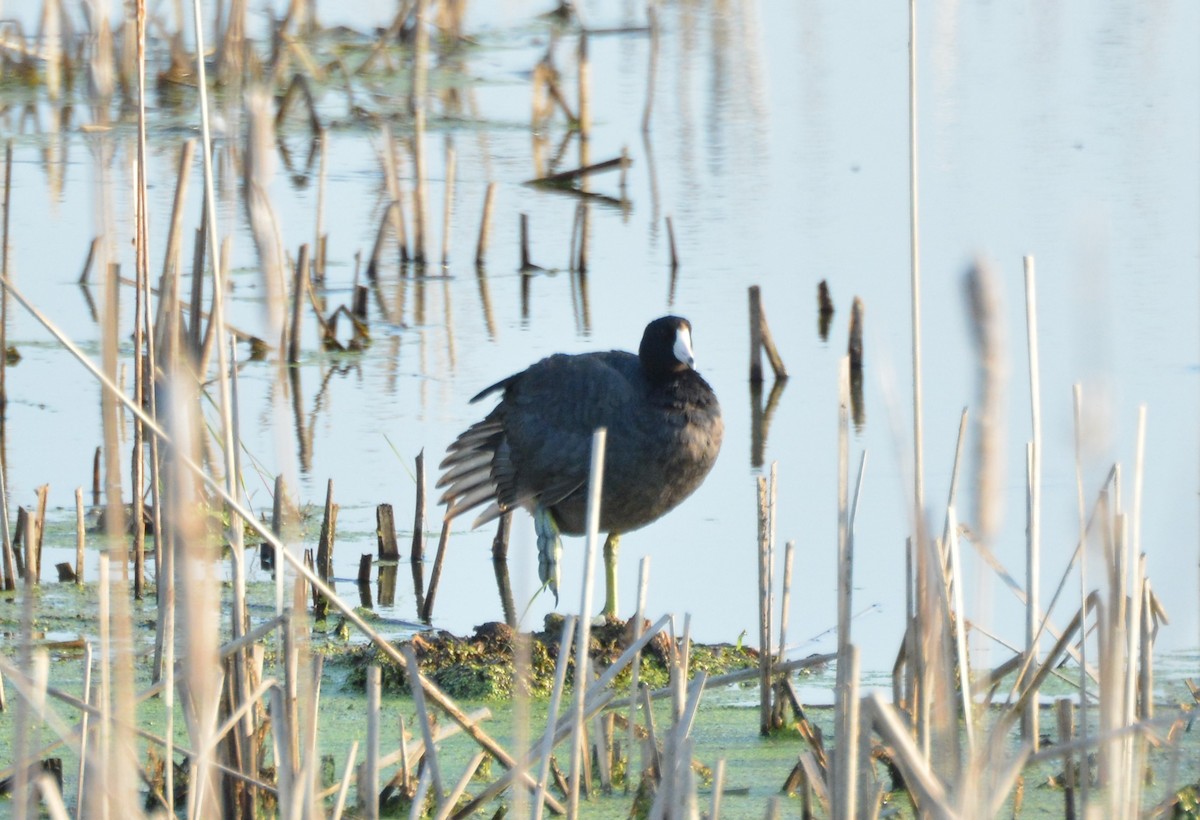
[(760, 418)]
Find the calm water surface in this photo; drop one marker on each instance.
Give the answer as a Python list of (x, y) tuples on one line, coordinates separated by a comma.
[(778, 145)]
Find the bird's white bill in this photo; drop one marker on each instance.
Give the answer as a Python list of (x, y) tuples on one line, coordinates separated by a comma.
[(683, 346)]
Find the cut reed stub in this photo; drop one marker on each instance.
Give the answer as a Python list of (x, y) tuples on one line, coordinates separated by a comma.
[(824, 310), (361, 299), (385, 532), (854, 347), (526, 265), (66, 573), (485, 225)]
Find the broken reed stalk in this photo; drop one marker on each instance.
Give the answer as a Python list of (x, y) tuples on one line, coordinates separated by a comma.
[(1033, 532), (448, 204), (584, 217), (436, 575), (574, 251), (396, 192), (389, 215), (385, 532), (525, 264), (485, 224), (583, 642), (824, 309), (81, 537), (418, 542), (562, 178), (764, 609), (854, 347), (328, 535), (756, 371)]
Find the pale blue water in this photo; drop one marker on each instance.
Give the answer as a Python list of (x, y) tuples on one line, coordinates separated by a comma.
[(778, 145)]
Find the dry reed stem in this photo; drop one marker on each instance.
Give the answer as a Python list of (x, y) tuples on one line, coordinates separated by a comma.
[(635, 664), (391, 167), (339, 803), (1029, 721), (448, 804), (584, 76), (1077, 406), (418, 694), (583, 642), (922, 782), (547, 747), (764, 610), (368, 781), (789, 557), (436, 575), (80, 535), (960, 631), (915, 267), (485, 225), (718, 788)]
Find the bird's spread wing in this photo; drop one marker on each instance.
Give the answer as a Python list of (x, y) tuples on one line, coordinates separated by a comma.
[(534, 448)]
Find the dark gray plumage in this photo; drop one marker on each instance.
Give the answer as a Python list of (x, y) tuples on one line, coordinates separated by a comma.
[(533, 450)]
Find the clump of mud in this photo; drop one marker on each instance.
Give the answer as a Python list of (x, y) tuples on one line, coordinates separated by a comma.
[(482, 666)]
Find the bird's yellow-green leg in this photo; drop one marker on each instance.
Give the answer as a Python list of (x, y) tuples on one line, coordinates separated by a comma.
[(549, 549), (611, 545)]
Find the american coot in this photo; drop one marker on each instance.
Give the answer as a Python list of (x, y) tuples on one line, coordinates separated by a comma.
[(533, 450)]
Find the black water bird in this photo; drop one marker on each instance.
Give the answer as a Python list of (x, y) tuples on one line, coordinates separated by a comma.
[(533, 450)]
